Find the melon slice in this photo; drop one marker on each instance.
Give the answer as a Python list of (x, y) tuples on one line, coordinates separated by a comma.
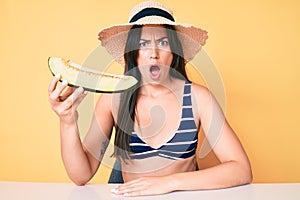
[(89, 79)]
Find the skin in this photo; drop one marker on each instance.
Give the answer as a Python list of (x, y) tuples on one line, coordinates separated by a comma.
[(159, 91)]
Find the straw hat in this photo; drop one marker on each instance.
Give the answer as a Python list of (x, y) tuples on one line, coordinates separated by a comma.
[(114, 38)]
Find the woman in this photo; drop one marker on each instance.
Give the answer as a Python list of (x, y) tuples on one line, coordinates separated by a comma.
[(156, 122)]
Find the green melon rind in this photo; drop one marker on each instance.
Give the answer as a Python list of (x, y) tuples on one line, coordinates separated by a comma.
[(90, 80)]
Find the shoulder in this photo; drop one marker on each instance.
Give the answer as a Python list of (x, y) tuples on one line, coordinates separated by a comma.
[(107, 102), (199, 95), (108, 98), (205, 101), (104, 99), (200, 92)]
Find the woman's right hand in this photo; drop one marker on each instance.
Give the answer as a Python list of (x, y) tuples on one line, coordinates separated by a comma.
[(64, 99)]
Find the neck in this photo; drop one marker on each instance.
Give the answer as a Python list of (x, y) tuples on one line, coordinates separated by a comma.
[(157, 89)]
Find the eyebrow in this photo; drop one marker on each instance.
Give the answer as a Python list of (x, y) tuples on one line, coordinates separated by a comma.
[(160, 39)]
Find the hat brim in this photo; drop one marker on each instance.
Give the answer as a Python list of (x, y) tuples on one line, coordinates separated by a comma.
[(114, 38)]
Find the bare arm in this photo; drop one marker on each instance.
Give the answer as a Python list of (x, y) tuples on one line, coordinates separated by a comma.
[(234, 168), (79, 163)]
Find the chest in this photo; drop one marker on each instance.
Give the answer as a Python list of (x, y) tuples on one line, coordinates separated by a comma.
[(157, 119)]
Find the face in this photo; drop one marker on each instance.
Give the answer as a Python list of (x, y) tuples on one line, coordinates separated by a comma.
[(154, 54)]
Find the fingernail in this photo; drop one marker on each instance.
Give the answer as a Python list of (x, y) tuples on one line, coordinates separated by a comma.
[(57, 76), (114, 190), (80, 89), (64, 82), (85, 92)]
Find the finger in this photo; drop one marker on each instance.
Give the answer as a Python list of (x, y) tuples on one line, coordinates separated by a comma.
[(79, 99), (131, 182), (134, 190), (122, 187), (58, 90), (53, 83), (129, 190), (67, 93), (73, 97), (130, 186)]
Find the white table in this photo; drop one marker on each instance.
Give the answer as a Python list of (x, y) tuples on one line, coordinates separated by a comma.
[(69, 191)]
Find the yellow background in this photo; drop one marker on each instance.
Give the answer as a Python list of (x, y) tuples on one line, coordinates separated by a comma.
[(254, 44)]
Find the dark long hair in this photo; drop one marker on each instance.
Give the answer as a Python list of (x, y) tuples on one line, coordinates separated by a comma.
[(128, 99)]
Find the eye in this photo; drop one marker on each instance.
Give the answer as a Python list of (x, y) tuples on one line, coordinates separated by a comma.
[(143, 43), (164, 42)]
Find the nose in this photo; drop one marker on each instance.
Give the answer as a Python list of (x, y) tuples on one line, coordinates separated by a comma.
[(154, 54)]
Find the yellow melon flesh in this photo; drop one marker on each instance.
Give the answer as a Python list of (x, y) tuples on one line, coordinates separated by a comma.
[(91, 80)]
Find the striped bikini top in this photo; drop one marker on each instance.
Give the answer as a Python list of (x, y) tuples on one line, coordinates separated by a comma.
[(182, 145)]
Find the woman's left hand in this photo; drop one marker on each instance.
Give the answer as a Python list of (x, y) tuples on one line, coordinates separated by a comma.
[(145, 186)]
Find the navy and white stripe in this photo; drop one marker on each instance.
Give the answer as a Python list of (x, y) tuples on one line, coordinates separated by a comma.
[(182, 145)]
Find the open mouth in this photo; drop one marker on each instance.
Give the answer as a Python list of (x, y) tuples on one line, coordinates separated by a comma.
[(154, 70)]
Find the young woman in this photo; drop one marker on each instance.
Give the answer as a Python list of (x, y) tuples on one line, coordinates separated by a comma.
[(156, 122)]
